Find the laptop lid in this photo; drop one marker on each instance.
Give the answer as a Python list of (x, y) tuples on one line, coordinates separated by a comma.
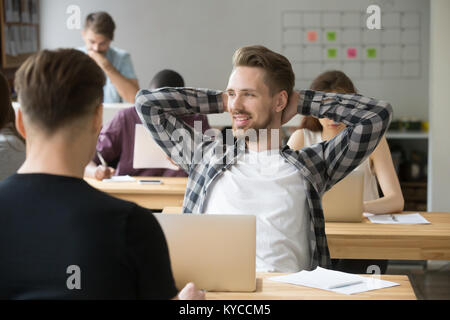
[(147, 153), (344, 201), (216, 252)]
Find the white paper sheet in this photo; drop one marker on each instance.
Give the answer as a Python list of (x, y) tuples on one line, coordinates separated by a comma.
[(335, 281), (414, 218), (120, 179), (147, 153)]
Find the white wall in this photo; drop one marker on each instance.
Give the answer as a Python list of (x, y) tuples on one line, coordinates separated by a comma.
[(198, 37), (439, 155)]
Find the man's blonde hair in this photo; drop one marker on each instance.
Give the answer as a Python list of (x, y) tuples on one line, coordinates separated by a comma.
[(279, 74)]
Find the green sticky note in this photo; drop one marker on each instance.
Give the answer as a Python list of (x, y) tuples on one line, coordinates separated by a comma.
[(331, 36), (371, 53), (332, 53)]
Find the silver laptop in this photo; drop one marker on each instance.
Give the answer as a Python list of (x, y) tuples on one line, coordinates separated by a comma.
[(216, 252), (344, 201)]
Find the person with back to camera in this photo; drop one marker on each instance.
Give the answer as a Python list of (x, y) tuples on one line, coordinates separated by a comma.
[(378, 167), (59, 237)]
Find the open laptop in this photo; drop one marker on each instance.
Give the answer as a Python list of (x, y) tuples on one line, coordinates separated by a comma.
[(216, 252), (147, 153), (344, 201)]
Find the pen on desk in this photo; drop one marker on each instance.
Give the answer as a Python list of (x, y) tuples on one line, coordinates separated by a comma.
[(348, 284), (102, 160)]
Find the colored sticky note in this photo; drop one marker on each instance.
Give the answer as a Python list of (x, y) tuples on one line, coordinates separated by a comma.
[(332, 53), (371, 53), (352, 53), (311, 36), (331, 36)]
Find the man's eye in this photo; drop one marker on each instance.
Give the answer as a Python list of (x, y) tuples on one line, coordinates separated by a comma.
[(231, 94), (249, 95)]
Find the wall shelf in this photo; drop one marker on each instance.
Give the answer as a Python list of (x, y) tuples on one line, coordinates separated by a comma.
[(407, 135)]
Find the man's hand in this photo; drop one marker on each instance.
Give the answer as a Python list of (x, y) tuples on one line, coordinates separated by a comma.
[(190, 292), (100, 59), (292, 108), (102, 172)]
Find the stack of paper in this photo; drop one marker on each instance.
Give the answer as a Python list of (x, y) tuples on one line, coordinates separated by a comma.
[(335, 281), (414, 218), (120, 179)]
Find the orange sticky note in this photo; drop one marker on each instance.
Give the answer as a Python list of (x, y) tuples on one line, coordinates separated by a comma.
[(311, 36)]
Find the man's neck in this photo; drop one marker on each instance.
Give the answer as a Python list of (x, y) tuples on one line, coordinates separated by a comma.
[(55, 159), (265, 143)]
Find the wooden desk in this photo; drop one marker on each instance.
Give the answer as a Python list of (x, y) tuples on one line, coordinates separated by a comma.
[(270, 290), (390, 242), (155, 197)]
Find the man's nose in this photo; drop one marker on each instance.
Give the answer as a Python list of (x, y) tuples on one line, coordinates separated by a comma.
[(95, 47), (236, 104)]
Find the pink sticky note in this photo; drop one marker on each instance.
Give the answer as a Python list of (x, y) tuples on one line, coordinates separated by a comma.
[(311, 36), (351, 53)]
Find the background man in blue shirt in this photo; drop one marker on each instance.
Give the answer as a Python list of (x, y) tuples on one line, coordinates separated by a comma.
[(98, 33)]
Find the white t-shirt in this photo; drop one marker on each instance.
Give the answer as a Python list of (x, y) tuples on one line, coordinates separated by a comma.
[(265, 185)]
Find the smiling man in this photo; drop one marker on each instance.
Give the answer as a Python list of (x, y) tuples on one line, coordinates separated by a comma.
[(121, 83), (282, 187)]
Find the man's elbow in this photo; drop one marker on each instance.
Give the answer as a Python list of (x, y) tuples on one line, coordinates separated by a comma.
[(389, 111), (400, 204)]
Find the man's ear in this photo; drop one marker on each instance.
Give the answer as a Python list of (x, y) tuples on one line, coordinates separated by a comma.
[(19, 124), (281, 101)]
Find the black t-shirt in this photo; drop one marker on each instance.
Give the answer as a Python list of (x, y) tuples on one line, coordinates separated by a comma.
[(58, 234)]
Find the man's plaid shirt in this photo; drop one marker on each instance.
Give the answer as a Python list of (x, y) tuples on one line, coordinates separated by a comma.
[(321, 165)]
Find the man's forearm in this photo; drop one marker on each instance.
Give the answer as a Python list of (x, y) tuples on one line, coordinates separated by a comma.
[(127, 88), (181, 101), (162, 112), (351, 109)]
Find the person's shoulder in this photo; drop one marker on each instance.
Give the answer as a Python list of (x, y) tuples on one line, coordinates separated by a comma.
[(142, 219), (127, 116), (107, 202), (296, 141), (120, 53), (122, 117), (128, 113)]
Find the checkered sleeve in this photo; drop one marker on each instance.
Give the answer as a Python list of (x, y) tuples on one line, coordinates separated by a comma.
[(161, 111), (367, 121)]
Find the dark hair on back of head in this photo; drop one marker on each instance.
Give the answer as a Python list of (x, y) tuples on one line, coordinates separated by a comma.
[(57, 87), (167, 78), (330, 81)]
